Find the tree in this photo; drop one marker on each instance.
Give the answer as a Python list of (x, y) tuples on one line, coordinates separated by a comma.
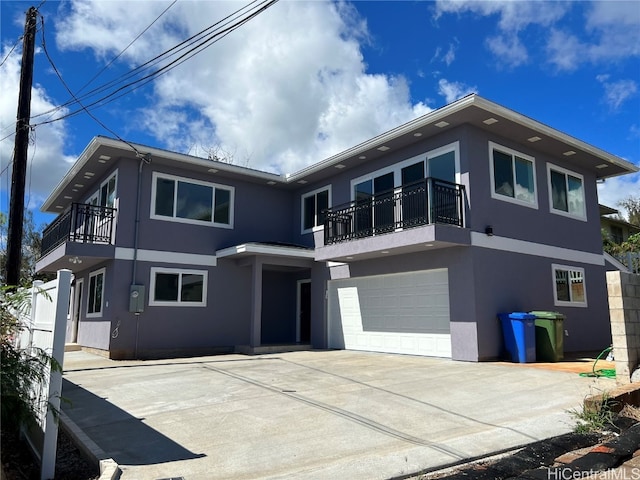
[(31, 243), (632, 205)]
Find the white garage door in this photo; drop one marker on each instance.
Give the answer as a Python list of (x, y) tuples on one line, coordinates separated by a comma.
[(396, 313)]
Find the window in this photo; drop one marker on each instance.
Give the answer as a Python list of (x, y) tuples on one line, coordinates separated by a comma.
[(96, 293), (108, 192), (191, 201), (566, 192), (512, 176), (175, 287), (569, 286), (313, 206)]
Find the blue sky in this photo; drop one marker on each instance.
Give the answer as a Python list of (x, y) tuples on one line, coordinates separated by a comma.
[(305, 80)]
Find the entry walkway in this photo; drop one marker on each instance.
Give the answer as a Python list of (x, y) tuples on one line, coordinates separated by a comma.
[(313, 414)]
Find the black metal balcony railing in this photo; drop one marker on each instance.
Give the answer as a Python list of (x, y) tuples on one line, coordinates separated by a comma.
[(421, 203), (82, 223)]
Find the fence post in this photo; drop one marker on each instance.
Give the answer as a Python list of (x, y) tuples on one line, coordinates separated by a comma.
[(63, 287)]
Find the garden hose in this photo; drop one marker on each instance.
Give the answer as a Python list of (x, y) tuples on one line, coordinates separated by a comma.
[(602, 372)]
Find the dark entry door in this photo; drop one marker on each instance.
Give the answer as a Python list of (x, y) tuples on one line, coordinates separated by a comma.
[(305, 312)]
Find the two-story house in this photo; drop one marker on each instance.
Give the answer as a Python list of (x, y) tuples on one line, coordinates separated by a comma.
[(411, 242)]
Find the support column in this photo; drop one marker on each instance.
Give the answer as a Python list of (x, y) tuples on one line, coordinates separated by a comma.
[(256, 305)]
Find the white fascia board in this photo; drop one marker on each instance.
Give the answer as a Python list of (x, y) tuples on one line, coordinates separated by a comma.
[(189, 159), (431, 117), (553, 133), (72, 173), (260, 249)]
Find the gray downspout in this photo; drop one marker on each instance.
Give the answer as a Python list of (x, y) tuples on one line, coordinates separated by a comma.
[(146, 158)]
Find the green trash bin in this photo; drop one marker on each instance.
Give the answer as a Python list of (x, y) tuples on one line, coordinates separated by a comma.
[(549, 336)]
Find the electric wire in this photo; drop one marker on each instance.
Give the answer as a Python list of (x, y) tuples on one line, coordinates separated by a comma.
[(57, 72), (198, 39), (202, 42), (126, 48)]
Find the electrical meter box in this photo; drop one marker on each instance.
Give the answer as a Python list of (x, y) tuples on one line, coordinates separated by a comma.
[(136, 299)]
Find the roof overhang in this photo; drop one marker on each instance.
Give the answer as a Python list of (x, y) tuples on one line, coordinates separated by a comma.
[(250, 249), (98, 157), (485, 115)]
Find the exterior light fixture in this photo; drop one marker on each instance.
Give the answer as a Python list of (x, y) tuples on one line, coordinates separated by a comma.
[(488, 230), (75, 260)]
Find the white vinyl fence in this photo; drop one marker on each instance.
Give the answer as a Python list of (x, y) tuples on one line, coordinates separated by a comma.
[(44, 328)]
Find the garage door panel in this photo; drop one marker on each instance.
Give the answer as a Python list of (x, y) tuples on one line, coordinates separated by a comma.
[(397, 313)]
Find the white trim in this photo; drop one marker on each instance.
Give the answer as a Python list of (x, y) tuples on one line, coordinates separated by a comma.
[(536, 249), (190, 221), (564, 171), (304, 196), (563, 303), (514, 153), (101, 271), (122, 253), (396, 168), (258, 249), (299, 305), (178, 303)]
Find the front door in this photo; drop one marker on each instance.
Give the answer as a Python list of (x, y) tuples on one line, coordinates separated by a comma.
[(303, 334)]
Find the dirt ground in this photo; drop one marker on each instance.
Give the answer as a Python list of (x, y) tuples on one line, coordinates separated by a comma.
[(18, 463)]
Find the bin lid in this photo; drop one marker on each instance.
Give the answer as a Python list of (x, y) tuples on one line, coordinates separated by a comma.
[(547, 315), (521, 316)]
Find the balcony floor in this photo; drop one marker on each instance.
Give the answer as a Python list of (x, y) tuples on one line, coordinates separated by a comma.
[(418, 239), (89, 254)]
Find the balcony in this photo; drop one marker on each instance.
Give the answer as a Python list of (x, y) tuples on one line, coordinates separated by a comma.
[(426, 202), (82, 223), (424, 214)]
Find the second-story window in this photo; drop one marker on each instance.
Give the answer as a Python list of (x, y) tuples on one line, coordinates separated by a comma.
[(512, 176), (313, 206), (191, 201), (566, 192)]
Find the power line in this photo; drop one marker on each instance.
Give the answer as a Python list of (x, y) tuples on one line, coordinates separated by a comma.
[(202, 40), (208, 40), (57, 72)]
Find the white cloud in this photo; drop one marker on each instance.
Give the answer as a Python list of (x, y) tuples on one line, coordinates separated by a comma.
[(287, 89), (452, 91), (611, 33), (615, 189), (508, 49), (617, 92), (47, 162)]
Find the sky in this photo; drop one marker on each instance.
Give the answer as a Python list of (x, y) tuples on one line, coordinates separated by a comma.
[(303, 80)]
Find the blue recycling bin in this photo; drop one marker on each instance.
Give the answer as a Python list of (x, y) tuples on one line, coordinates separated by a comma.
[(519, 332)]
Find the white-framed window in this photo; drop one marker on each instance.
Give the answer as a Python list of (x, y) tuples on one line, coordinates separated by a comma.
[(95, 301), (442, 163), (513, 176), (186, 200), (105, 196), (313, 205), (175, 287), (569, 288), (566, 192)]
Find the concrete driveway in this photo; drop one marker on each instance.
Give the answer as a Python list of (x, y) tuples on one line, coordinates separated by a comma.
[(313, 414)]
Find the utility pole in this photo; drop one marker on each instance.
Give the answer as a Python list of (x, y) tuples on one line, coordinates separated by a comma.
[(16, 208)]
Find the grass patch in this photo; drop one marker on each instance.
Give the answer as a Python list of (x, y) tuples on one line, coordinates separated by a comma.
[(597, 417)]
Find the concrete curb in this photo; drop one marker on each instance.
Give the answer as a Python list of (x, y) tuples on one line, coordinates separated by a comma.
[(109, 469)]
